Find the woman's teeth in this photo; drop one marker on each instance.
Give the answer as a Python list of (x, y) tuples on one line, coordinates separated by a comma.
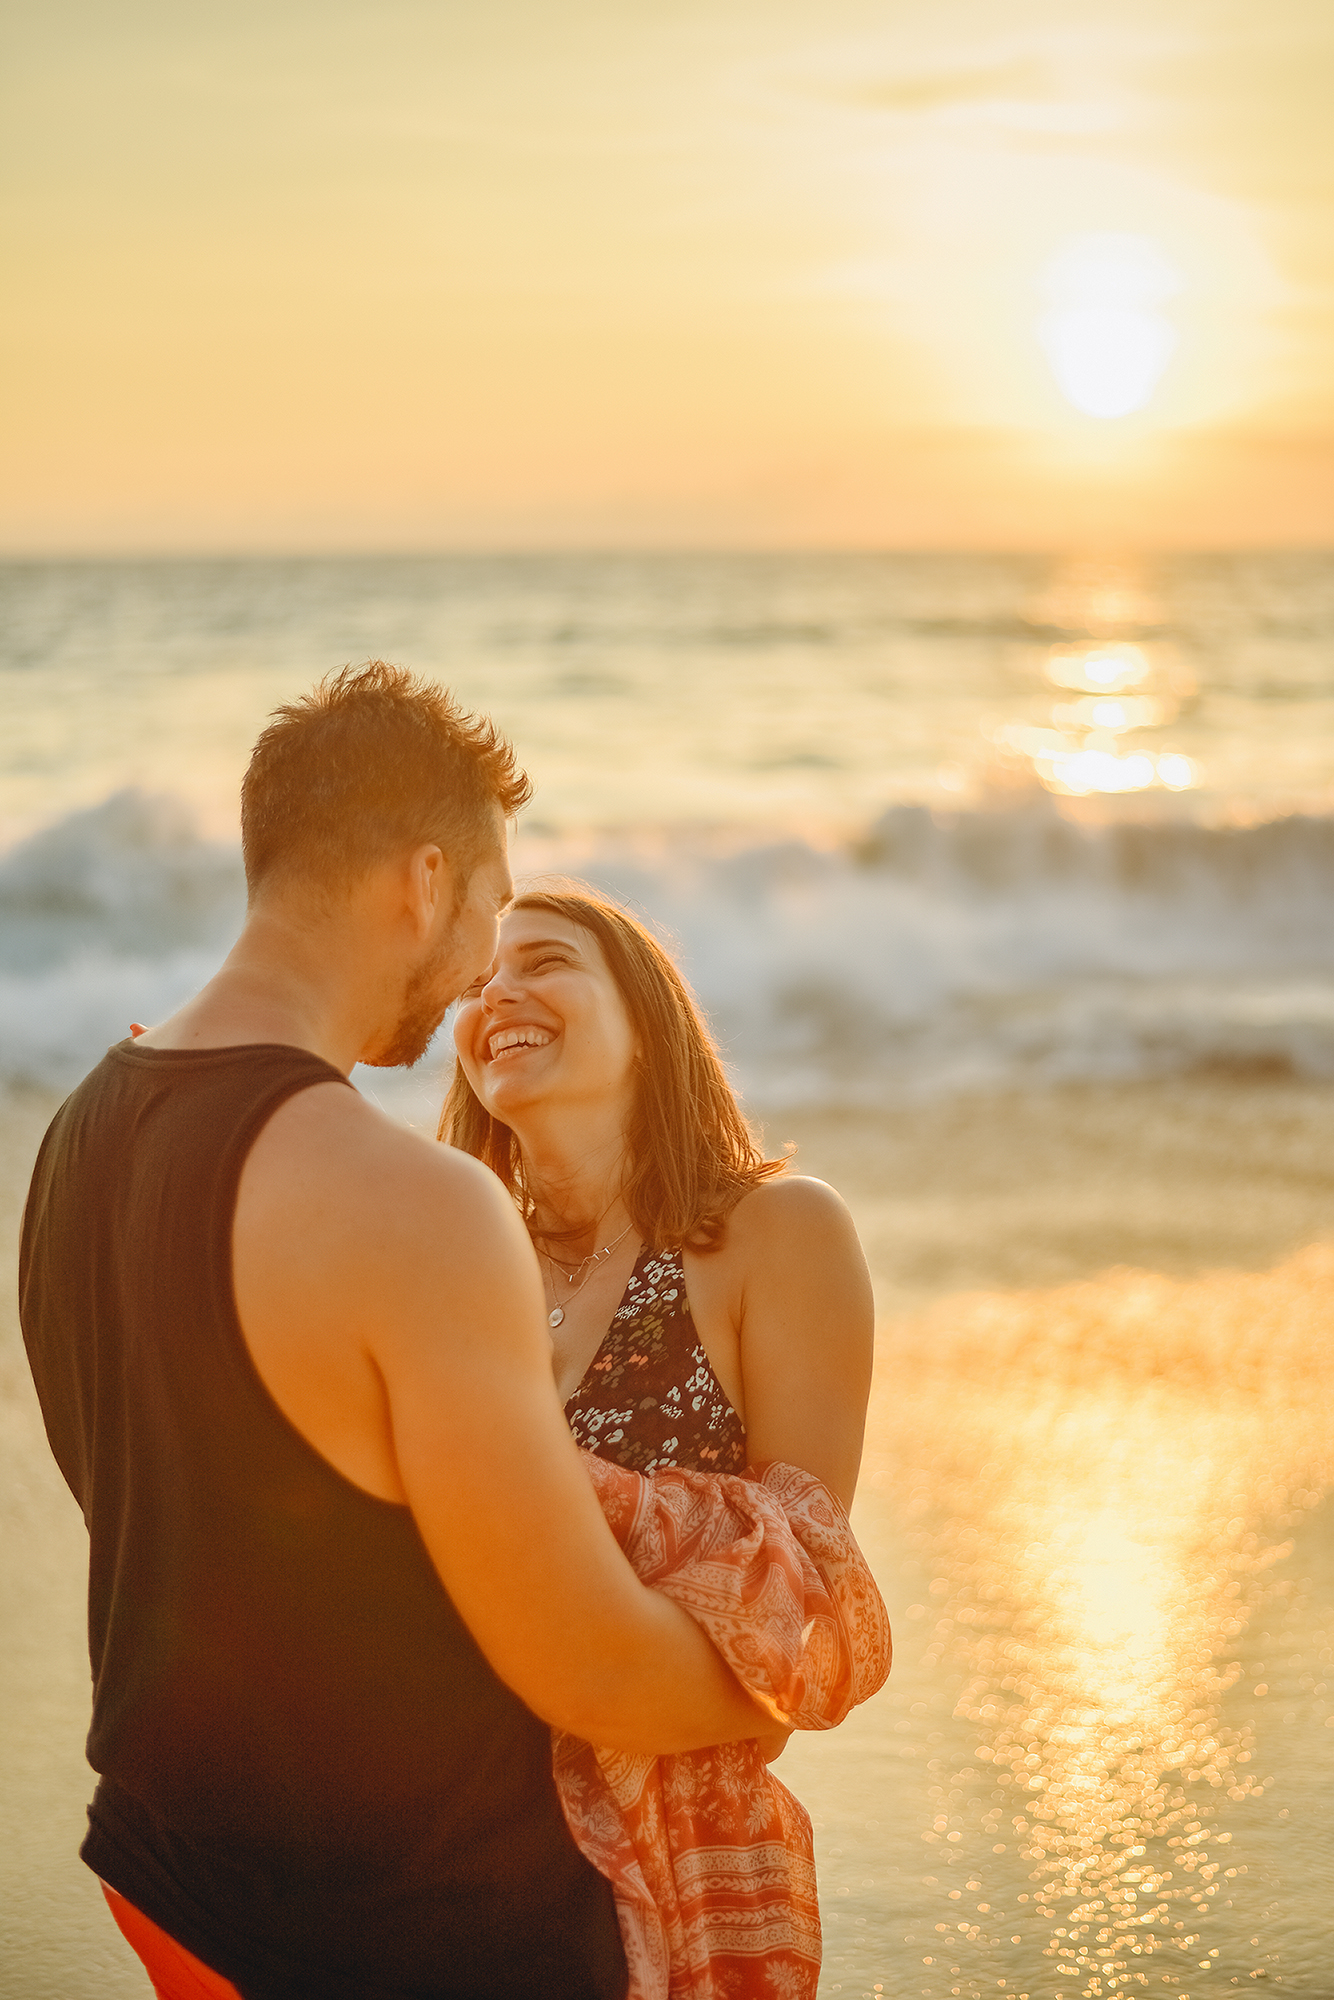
[(515, 1038)]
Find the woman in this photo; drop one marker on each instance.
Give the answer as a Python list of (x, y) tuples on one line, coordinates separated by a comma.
[(708, 1310)]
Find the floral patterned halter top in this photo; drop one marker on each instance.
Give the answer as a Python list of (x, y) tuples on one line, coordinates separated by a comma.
[(649, 1396)]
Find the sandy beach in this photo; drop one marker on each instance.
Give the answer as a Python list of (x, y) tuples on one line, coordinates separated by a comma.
[(1010, 1238)]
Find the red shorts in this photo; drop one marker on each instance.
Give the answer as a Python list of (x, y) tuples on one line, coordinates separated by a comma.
[(175, 1972)]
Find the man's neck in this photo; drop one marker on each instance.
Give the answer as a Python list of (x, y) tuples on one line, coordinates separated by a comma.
[(280, 983)]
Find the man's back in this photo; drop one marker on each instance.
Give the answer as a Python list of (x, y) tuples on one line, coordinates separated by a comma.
[(311, 1776)]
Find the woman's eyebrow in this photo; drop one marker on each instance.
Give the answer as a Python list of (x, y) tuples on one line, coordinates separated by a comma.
[(547, 944)]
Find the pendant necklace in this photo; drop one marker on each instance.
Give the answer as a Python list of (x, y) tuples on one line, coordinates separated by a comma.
[(572, 1271), (596, 1258)]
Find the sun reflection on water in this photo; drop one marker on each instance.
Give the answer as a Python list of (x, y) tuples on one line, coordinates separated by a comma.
[(1126, 679), (1101, 1478)]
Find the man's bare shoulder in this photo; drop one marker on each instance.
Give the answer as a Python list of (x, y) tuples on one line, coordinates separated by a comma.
[(331, 1134), (336, 1183)]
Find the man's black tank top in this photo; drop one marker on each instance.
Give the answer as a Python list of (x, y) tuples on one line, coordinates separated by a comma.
[(310, 1777)]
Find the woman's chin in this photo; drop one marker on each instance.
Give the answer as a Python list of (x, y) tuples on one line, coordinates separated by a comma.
[(507, 1095)]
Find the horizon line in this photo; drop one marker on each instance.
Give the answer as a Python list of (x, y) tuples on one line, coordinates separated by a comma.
[(1100, 547)]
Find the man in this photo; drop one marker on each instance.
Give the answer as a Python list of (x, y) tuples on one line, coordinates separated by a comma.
[(345, 1561)]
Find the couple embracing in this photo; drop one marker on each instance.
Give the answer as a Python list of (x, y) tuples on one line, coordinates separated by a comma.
[(398, 1694)]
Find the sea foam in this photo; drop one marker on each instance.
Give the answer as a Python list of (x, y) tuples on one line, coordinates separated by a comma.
[(983, 948)]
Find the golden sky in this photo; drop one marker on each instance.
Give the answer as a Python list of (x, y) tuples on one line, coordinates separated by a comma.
[(423, 274)]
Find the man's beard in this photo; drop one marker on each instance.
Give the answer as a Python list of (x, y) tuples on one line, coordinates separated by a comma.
[(421, 1015)]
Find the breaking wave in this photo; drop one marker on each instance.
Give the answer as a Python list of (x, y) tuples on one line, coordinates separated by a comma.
[(986, 949)]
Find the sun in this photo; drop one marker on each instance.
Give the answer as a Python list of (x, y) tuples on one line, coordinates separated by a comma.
[(1104, 333)]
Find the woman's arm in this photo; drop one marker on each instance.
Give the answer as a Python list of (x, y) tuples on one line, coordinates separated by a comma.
[(806, 1329)]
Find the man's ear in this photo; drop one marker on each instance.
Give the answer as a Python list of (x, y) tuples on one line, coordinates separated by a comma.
[(429, 884)]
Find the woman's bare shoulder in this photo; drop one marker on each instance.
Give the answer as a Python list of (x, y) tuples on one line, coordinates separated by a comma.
[(787, 1206)]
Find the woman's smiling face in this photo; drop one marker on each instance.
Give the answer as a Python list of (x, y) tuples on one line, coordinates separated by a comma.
[(547, 1024)]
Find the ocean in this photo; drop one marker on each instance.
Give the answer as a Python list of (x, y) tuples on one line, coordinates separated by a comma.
[(1008, 885), (914, 823)]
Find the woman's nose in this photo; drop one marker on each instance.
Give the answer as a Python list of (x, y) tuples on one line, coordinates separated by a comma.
[(500, 990)]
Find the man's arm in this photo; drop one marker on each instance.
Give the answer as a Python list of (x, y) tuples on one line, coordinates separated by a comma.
[(392, 1304)]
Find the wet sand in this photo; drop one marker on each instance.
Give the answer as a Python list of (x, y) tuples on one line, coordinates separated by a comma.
[(1091, 1493), (1096, 1494), (991, 1193)]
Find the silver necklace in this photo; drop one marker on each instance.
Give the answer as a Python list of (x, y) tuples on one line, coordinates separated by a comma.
[(594, 1257), (597, 1258)]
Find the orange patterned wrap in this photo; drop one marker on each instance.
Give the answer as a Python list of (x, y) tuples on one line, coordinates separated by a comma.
[(710, 1858)]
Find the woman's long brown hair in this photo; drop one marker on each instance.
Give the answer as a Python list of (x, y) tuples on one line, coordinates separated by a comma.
[(691, 1154)]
